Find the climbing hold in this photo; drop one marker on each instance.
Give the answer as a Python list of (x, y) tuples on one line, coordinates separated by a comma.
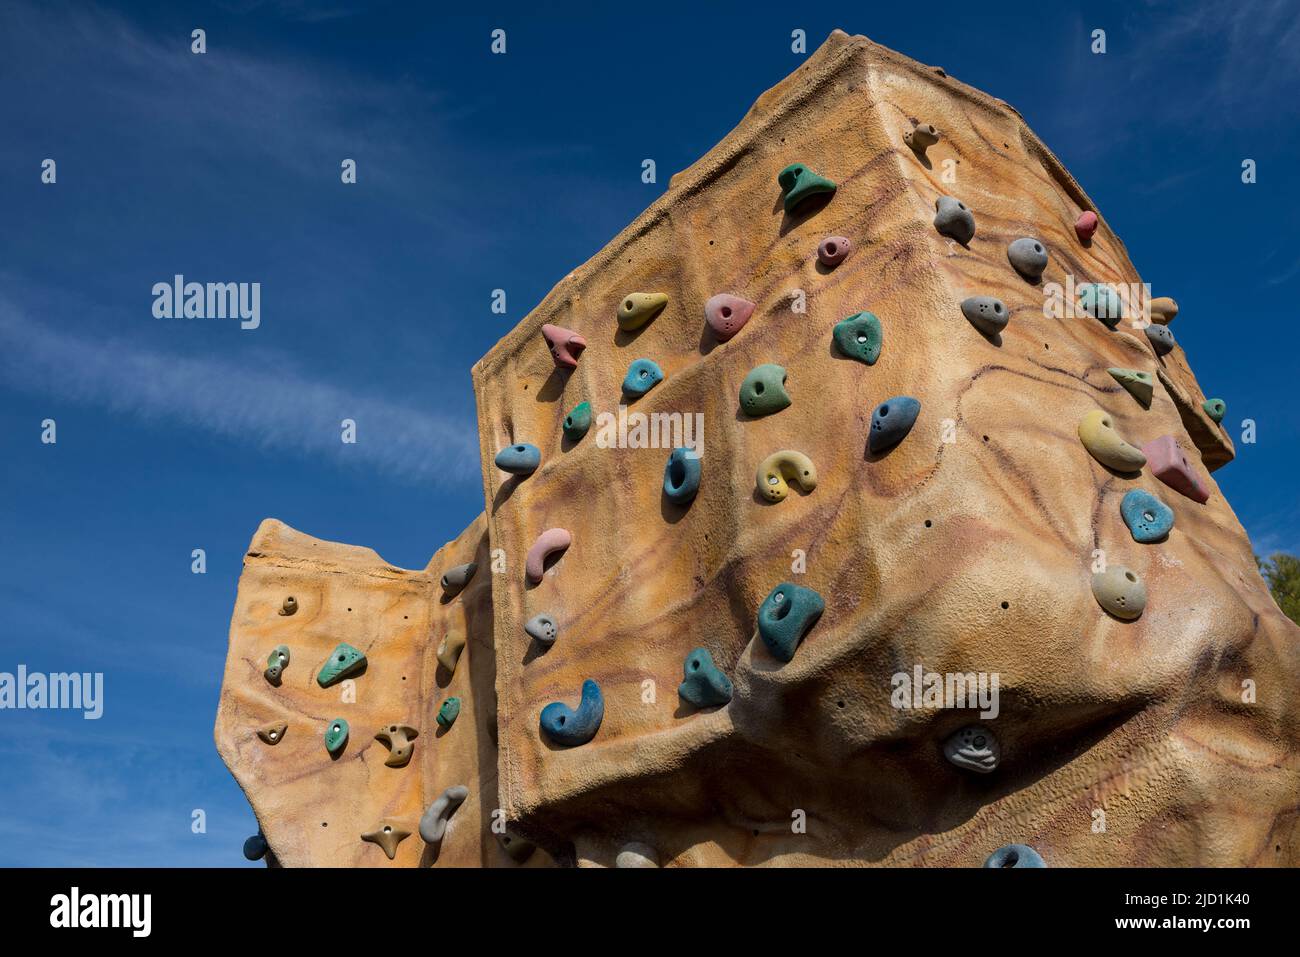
[(454, 579), (289, 606), (343, 661), (1120, 592), (891, 421), (953, 219), (336, 735), (567, 726), (780, 467), (276, 662), (433, 823), (1015, 855), (921, 137), (1163, 310), (638, 308), (1162, 340), (449, 650), (1138, 384), (727, 314), (833, 250), (521, 459), (449, 712), (272, 733), (1169, 464), (785, 616), (255, 847), (798, 183), (519, 849), (400, 739), (542, 628), (577, 422), (1148, 518), (1029, 257), (642, 376), (550, 541), (763, 391), (1086, 225), (682, 476), (565, 345), (973, 748), (703, 685), (1101, 301), (1099, 437), (986, 314), (636, 854), (1216, 409), (859, 337), (387, 836)]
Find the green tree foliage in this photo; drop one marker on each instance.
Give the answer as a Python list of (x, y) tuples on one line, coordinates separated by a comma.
[(1282, 572)]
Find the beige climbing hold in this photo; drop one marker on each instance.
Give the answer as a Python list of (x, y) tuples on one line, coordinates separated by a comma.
[(1120, 591), (1098, 435), (400, 739), (1163, 310), (782, 467), (921, 137), (638, 308), (518, 848), (449, 652), (289, 606), (1139, 384), (272, 733), (387, 836)]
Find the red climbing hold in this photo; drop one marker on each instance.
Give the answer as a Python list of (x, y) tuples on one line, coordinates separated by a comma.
[(565, 345), (833, 250), (1086, 225), (1169, 463), (727, 314)]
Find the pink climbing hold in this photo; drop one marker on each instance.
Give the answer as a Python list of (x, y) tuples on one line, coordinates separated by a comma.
[(833, 250), (550, 541), (565, 345), (1086, 225), (727, 314), (1169, 464)]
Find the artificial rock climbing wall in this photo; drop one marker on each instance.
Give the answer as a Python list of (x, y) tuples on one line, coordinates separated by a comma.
[(977, 531)]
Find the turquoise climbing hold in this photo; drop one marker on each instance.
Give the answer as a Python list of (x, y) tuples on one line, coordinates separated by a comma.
[(449, 712), (785, 617), (519, 459), (799, 183), (343, 661), (577, 422), (642, 376), (1101, 301), (570, 727), (703, 685), (859, 337), (336, 735), (276, 662), (682, 476), (1148, 518), (763, 391), (1015, 855), (1216, 409), (891, 421)]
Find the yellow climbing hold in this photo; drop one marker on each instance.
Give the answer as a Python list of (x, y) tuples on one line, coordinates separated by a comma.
[(1098, 435), (782, 467), (638, 308)]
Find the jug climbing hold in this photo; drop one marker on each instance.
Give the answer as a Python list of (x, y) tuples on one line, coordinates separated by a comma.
[(642, 376), (954, 220), (1099, 437), (272, 733), (985, 313), (542, 628), (974, 748), (565, 345), (289, 606), (1120, 591), (387, 836), (1086, 225), (567, 726), (433, 823), (859, 337), (1101, 301), (550, 541), (1138, 384), (833, 250), (638, 308), (343, 661), (276, 662), (400, 739), (891, 421), (449, 712), (1147, 518), (1169, 463), (799, 183), (682, 476), (786, 616), (449, 651), (1162, 340), (636, 854), (763, 391), (782, 467), (1216, 409), (519, 849), (577, 422), (727, 314), (336, 735), (1029, 257), (921, 137), (1015, 855), (255, 847), (703, 683), (519, 459), (455, 579), (1163, 310)]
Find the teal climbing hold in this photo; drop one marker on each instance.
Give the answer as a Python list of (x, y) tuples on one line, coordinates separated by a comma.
[(1148, 518), (785, 617), (1101, 301), (682, 476), (336, 735), (763, 391), (343, 661), (1015, 855), (577, 422), (449, 712), (799, 183), (276, 662), (522, 458), (642, 376), (703, 684), (859, 337), (1216, 409), (572, 727)]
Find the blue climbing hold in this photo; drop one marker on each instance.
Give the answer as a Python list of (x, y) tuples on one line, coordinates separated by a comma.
[(564, 725), (785, 617), (1148, 518), (682, 476), (519, 459), (891, 421), (642, 376), (704, 684), (1015, 855)]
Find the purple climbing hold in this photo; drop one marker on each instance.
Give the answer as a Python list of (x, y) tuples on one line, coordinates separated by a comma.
[(727, 314), (834, 250)]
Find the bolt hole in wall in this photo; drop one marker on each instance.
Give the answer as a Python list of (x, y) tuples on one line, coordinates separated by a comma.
[(928, 523), (1006, 605)]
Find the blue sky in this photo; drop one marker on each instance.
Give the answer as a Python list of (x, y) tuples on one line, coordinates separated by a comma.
[(475, 172)]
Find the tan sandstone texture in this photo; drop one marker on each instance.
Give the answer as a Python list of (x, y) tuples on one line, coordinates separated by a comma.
[(967, 548)]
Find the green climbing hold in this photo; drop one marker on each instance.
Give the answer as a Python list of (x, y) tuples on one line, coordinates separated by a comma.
[(577, 422), (448, 713), (336, 735), (860, 337), (704, 684), (799, 183), (343, 661), (638, 308), (276, 662), (1138, 384), (763, 391), (1215, 409)]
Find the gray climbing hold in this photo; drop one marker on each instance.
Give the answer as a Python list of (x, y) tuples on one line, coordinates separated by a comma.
[(276, 662), (682, 476), (891, 421), (953, 219), (542, 628), (703, 683), (985, 313), (1120, 591), (1029, 257), (1148, 518), (973, 748), (1015, 855), (433, 824), (454, 579), (1161, 338), (636, 854), (255, 847)]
